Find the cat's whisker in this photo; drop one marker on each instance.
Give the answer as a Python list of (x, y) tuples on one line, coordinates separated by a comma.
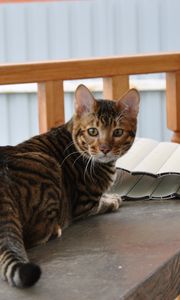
[(81, 155), (68, 146), (73, 153), (92, 171), (85, 158), (86, 168), (92, 168)]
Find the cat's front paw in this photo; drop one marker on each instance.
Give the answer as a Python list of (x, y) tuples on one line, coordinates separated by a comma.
[(116, 201), (109, 203)]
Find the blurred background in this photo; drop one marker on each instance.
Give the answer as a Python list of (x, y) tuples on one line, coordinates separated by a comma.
[(54, 30)]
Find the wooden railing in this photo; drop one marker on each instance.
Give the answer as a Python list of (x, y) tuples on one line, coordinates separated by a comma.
[(115, 72)]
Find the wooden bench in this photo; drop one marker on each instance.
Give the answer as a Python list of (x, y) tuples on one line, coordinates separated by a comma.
[(132, 254)]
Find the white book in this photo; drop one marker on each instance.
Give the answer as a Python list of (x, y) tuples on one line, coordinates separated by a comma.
[(149, 170)]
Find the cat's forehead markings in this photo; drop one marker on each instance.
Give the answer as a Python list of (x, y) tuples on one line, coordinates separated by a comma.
[(115, 123), (106, 120), (97, 122), (107, 113)]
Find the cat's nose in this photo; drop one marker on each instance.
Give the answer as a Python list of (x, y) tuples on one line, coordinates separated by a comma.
[(105, 148)]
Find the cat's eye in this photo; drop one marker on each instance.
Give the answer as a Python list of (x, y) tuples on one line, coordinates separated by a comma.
[(93, 131), (118, 132)]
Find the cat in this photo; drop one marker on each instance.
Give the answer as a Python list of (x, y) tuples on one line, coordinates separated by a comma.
[(55, 178)]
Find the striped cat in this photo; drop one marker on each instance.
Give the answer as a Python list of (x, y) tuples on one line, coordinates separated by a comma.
[(52, 179)]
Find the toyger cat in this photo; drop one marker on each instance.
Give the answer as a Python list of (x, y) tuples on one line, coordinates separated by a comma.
[(52, 179)]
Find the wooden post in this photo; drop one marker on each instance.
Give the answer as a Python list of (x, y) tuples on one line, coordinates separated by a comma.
[(114, 87), (51, 104), (173, 104)]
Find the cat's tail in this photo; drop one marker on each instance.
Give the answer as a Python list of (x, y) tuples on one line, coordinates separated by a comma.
[(15, 267), (14, 263), (23, 275)]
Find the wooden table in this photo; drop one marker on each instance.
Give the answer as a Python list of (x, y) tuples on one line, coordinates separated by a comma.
[(132, 254)]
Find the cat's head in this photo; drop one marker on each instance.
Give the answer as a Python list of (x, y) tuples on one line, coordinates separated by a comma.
[(104, 129)]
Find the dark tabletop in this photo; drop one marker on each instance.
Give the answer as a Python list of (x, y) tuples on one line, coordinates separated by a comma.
[(131, 254)]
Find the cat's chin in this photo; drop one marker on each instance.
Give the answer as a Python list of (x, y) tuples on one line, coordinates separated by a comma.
[(105, 159)]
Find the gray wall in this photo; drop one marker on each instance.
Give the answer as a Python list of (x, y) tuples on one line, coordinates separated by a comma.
[(73, 29), (67, 29)]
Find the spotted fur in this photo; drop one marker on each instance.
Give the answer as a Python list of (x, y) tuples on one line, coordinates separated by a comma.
[(52, 179)]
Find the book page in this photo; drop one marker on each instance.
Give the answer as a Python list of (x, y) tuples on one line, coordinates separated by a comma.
[(148, 158), (136, 154), (155, 160), (178, 193), (167, 187), (138, 187), (124, 183), (143, 188), (172, 165)]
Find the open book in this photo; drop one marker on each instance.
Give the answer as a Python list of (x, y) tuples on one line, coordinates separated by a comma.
[(149, 170)]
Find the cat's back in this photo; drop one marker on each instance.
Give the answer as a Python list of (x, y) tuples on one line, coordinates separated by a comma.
[(5, 152), (33, 158)]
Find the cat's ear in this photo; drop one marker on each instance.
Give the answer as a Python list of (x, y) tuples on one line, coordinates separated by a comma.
[(84, 100), (130, 102)]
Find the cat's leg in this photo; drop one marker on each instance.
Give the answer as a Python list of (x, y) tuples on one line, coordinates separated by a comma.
[(57, 232), (109, 203), (45, 221), (42, 232)]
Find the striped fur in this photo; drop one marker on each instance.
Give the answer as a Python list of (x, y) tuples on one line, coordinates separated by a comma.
[(55, 178)]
